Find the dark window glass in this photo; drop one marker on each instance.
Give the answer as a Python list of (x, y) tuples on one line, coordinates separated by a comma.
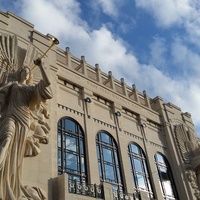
[(81, 147), (160, 159), (108, 161), (71, 162), (83, 164), (139, 169), (141, 181), (134, 149), (105, 138), (138, 165), (107, 155), (70, 125), (109, 172), (59, 159), (71, 153), (70, 143), (59, 139), (165, 177), (100, 171)]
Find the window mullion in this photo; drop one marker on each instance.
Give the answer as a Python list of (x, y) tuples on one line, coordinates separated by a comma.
[(62, 149)]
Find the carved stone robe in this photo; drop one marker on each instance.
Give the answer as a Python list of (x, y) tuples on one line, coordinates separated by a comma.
[(14, 128)]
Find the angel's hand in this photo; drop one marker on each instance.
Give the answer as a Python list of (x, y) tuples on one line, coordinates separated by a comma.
[(37, 62)]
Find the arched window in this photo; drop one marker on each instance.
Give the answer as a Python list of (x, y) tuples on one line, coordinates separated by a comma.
[(138, 166), (71, 153), (107, 153), (165, 177)]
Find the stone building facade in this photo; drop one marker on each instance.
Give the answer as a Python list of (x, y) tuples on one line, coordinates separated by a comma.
[(107, 140)]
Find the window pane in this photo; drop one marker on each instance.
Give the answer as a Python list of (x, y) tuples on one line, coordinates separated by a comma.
[(105, 138), (70, 143), (116, 158), (83, 164), (59, 159), (100, 172), (119, 175), (163, 173), (134, 149), (138, 165), (81, 147), (98, 156), (130, 163), (107, 155), (160, 158), (80, 131), (71, 162), (59, 140), (141, 181), (168, 188), (133, 179), (70, 126), (109, 172)]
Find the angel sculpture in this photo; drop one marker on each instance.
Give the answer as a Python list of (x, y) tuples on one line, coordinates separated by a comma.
[(21, 106), (189, 148)]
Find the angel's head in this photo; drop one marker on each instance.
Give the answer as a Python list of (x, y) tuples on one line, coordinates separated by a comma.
[(25, 75)]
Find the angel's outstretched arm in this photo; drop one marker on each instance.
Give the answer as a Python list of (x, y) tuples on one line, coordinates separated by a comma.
[(44, 75)]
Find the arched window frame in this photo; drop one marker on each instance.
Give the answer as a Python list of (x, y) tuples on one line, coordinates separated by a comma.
[(71, 131), (106, 144), (139, 169), (162, 165)]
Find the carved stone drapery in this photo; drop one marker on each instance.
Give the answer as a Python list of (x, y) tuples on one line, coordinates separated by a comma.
[(189, 149), (23, 109)]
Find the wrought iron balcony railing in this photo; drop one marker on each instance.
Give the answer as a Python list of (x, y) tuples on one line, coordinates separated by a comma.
[(91, 190), (119, 195)]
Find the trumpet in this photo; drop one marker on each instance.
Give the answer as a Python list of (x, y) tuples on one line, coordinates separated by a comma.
[(55, 41)]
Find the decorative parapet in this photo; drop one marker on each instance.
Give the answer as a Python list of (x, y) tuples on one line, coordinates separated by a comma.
[(65, 58), (107, 80)]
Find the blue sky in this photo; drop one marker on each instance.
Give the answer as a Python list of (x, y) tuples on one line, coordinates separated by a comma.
[(151, 43)]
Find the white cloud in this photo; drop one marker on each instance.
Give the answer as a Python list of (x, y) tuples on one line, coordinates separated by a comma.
[(182, 13), (167, 12), (185, 59), (109, 7), (101, 46), (158, 49), (49, 16)]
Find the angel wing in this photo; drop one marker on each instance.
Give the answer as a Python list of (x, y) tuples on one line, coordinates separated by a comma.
[(8, 57), (13, 58), (184, 144)]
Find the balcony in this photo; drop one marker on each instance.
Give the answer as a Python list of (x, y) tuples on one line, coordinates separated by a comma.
[(64, 189), (92, 190), (122, 196)]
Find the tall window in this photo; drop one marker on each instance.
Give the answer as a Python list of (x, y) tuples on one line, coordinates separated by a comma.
[(138, 166), (71, 153), (165, 177), (109, 168)]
